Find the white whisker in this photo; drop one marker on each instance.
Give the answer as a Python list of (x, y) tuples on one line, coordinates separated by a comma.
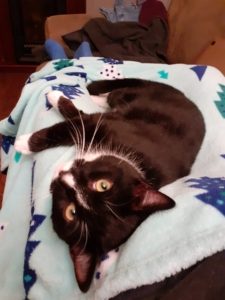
[(116, 204), (77, 133), (76, 227), (115, 214), (83, 132), (77, 143), (95, 131), (86, 237), (81, 233)]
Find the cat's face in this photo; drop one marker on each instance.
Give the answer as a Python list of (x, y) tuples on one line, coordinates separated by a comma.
[(98, 201)]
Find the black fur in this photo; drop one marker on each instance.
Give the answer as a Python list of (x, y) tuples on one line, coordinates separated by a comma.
[(150, 121)]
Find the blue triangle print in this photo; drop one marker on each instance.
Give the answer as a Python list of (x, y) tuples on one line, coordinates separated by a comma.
[(37, 220), (10, 120), (199, 70), (222, 87), (7, 142), (47, 104)]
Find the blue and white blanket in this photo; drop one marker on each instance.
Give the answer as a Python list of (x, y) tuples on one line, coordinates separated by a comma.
[(34, 262)]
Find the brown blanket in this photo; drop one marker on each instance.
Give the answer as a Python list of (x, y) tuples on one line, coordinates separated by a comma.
[(123, 40), (204, 281)]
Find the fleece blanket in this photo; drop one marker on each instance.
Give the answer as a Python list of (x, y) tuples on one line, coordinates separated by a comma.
[(34, 262)]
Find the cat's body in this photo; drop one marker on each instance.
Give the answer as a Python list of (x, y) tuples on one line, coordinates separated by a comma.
[(150, 138)]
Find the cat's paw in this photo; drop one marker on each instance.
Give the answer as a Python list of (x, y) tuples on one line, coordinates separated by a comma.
[(21, 144), (100, 100), (53, 98)]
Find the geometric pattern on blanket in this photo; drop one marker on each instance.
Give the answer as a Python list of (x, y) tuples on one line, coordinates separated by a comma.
[(70, 91), (7, 142), (199, 70), (29, 275), (35, 262), (62, 63), (215, 191), (221, 103)]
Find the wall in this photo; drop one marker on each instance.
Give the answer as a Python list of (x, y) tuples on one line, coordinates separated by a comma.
[(92, 6), (194, 25)]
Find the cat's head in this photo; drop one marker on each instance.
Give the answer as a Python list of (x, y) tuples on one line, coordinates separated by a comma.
[(98, 202)]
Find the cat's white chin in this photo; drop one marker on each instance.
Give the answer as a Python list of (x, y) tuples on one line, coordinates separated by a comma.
[(21, 144)]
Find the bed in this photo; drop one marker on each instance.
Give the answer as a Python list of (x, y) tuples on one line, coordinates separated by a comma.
[(36, 263)]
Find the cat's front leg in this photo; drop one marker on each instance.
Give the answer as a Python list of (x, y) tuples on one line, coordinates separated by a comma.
[(100, 100), (21, 144), (121, 97), (64, 105), (57, 135)]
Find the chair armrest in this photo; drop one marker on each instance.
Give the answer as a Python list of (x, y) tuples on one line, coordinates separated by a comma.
[(58, 25), (214, 55)]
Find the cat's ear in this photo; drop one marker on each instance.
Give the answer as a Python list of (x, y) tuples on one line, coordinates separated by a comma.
[(149, 199), (84, 267)]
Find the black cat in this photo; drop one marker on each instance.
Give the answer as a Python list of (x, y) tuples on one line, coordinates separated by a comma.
[(149, 138)]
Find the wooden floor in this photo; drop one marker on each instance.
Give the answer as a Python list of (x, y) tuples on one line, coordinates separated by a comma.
[(11, 84)]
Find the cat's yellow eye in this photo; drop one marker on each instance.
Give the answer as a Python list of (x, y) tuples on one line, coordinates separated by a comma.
[(102, 185), (70, 212)]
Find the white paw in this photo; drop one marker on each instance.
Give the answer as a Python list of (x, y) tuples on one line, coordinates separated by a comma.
[(21, 144), (54, 96), (100, 100)]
